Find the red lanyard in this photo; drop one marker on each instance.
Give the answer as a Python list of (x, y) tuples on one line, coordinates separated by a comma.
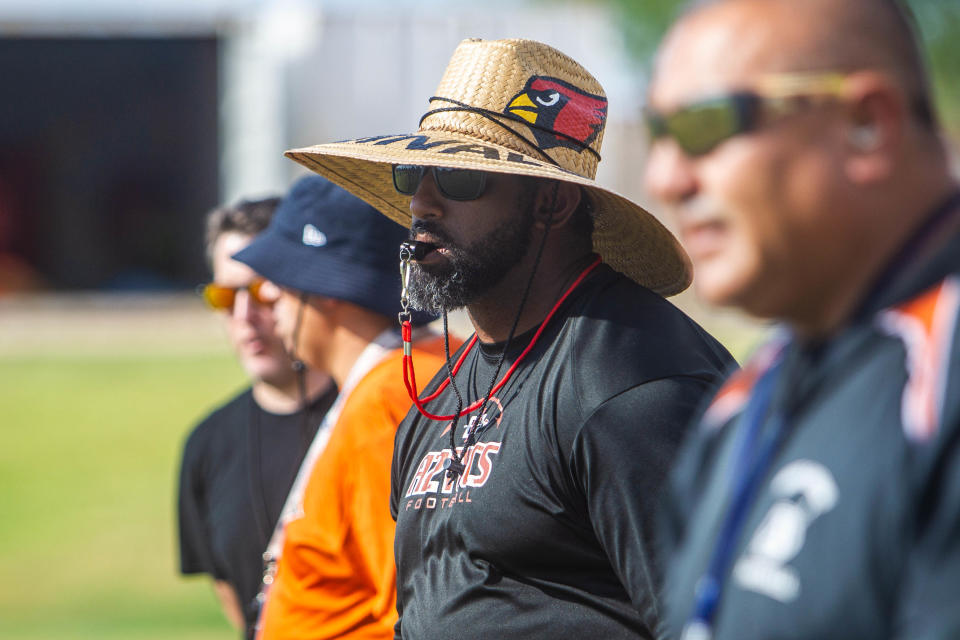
[(410, 380)]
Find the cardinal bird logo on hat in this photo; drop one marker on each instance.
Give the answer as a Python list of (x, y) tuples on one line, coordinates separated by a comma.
[(561, 114)]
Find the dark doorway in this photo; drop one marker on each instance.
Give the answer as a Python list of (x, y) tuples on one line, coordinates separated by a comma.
[(108, 159)]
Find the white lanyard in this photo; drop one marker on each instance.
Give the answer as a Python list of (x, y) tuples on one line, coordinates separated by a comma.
[(375, 353)]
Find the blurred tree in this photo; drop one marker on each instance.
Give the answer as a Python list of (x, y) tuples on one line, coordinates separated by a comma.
[(940, 25), (644, 22)]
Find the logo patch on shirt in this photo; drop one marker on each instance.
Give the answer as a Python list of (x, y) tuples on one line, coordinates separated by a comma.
[(430, 486), (313, 237), (492, 414), (803, 491)]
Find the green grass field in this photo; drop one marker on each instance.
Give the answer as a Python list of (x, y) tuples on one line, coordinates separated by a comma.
[(87, 483), (96, 397)]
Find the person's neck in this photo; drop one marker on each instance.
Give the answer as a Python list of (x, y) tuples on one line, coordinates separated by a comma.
[(843, 301), (348, 343), (493, 313), (283, 396)]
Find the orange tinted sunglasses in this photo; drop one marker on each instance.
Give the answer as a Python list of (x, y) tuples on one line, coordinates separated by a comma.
[(222, 298)]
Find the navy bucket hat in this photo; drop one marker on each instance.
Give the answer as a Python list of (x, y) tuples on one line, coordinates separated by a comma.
[(324, 241)]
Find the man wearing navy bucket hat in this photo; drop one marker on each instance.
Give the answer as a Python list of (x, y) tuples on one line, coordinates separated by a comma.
[(329, 259)]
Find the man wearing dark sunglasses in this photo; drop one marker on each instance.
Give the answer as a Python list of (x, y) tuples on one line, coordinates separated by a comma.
[(463, 263), (239, 462), (524, 481), (796, 144)]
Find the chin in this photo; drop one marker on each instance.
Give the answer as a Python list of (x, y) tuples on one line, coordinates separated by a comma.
[(751, 297), (720, 285), (728, 274), (267, 367)]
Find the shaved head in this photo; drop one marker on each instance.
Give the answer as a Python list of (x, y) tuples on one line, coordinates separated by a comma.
[(817, 35), (792, 215)]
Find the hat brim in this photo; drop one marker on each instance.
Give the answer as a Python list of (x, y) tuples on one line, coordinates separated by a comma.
[(280, 260), (628, 237)]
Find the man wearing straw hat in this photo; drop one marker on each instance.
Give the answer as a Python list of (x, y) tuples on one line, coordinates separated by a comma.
[(525, 479)]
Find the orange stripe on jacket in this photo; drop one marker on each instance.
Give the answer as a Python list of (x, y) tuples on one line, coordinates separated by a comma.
[(735, 392), (926, 325)]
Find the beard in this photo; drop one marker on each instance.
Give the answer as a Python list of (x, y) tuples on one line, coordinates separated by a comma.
[(470, 270)]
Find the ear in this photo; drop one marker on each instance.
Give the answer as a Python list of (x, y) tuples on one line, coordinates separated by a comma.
[(323, 303), (555, 203), (875, 123), (269, 292)]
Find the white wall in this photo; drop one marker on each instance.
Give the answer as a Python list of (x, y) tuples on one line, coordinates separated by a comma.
[(300, 72), (372, 72)]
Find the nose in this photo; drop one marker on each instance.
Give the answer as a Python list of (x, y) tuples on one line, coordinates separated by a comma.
[(670, 175), (427, 201), (285, 312), (244, 307)]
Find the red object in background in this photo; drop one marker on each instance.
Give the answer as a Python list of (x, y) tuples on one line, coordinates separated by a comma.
[(16, 273)]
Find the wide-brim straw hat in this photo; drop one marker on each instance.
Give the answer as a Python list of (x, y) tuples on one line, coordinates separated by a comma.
[(518, 107)]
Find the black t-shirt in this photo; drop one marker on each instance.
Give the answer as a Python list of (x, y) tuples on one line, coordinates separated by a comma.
[(238, 466), (548, 532)]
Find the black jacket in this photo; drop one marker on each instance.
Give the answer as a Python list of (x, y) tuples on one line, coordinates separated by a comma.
[(854, 531)]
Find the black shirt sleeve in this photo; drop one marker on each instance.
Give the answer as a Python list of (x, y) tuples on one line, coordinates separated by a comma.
[(620, 460), (196, 555)]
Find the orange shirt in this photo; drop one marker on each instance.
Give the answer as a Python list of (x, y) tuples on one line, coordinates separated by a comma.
[(336, 577)]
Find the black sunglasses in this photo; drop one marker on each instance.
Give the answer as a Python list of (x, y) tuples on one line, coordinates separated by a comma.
[(700, 126), (455, 184)]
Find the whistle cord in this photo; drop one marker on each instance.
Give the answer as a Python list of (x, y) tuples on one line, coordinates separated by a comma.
[(257, 491), (409, 376), (300, 369), (453, 385), (454, 466)]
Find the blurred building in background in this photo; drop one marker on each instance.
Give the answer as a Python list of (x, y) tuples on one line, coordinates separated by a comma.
[(122, 123)]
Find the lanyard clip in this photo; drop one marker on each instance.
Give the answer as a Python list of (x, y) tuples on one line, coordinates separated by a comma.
[(407, 252), (412, 251)]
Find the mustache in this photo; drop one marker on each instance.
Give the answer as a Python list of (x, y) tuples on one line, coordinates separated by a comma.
[(430, 228), (698, 208)]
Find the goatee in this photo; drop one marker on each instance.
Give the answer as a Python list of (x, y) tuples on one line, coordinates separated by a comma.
[(470, 271)]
